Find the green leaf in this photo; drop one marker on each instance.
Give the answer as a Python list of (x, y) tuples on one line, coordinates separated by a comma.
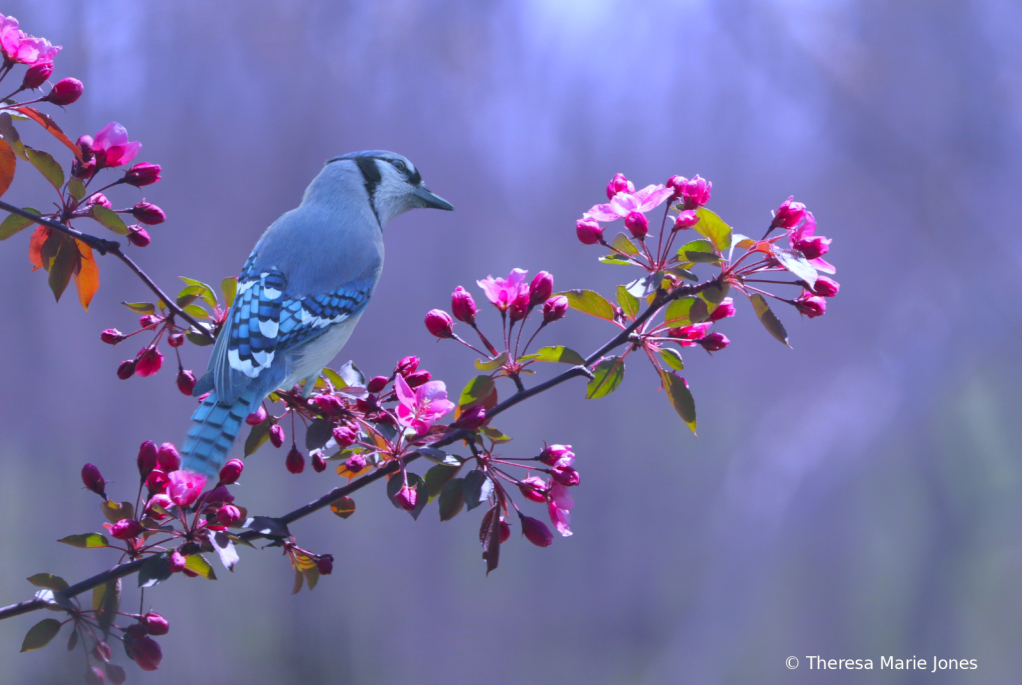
[(555, 353), (195, 311), (335, 378), (476, 489), (624, 244), (795, 262), (110, 219), (437, 477), (258, 436), (343, 507), (769, 319), (683, 273), (589, 302), (114, 512), (86, 541), (141, 307), (616, 259), (11, 136), (712, 227), (702, 251), (106, 601), (193, 287), (15, 223), (47, 166), (229, 288), (680, 398), (76, 188), (494, 434), (40, 634), (607, 376), (318, 434), (492, 364), (48, 580), (629, 303), (198, 564), (480, 390), (155, 570), (715, 293), (452, 498), (678, 312), (197, 338), (672, 358), (63, 267), (439, 456)]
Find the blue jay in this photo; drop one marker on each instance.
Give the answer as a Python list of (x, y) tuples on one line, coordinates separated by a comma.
[(300, 294)]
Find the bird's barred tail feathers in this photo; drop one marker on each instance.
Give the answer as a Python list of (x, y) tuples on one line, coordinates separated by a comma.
[(214, 429)]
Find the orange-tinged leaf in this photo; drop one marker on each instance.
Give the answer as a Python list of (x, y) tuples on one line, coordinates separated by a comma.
[(87, 276), (35, 246), (51, 126), (8, 163), (65, 263)]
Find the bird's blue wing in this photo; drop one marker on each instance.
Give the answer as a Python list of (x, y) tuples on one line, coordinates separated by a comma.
[(304, 319)]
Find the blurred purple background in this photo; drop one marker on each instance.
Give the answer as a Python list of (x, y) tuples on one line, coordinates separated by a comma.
[(857, 496)]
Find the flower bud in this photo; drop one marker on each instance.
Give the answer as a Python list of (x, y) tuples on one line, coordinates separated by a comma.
[(168, 458), (228, 515), (256, 417), (813, 247), (93, 480), (101, 651), (687, 219), (142, 174), (439, 323), (355, 463), (694, 192), (148, 361), (536, 531), (138, 236), (329, 404), (65, 92), (155, 624), (156, 482), (637, 224), (219, 495), (725, 309), (145, 652), (555, 308), (418, 378), (126, 370), (184, 487), (789, 214), (85, 144), (231, 472), (83, 171), (541, 288), (471, 418), (177, 562), (115, 674), (345, 435), (407, 365), (157, 502), (148, 320), (552, 455), (714, 342), (325, 564), (811, 305), (565, 475), (276, 435), (147, 458), (37, 75), (295, 461), (111, 336), (406, 497), (126, 529), (136, 631), (318, 461), (619, 184), (505, 531), (377, 384), (589, 231), (537, 491), (186, 382), (519, 307), (826, 287), (94, 676), (148, 213), (176, 339), (463, 306)]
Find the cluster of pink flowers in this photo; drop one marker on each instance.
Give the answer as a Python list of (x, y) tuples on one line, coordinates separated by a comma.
[(37, 54)]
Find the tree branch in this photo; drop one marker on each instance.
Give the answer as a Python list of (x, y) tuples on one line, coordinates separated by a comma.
[(122, 570), (104, 247)]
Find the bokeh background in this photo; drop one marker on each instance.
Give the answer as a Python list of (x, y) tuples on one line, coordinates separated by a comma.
[(856, 497)]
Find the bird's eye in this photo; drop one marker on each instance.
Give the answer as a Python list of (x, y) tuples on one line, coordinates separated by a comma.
[(399, 165)]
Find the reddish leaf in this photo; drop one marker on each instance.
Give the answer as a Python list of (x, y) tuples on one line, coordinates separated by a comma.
[(51, 126), (87, 275), (8, 162), (489, 536), (35, 247)]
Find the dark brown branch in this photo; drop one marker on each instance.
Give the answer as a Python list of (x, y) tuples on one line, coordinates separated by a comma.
[(104, 247), (659, 302)]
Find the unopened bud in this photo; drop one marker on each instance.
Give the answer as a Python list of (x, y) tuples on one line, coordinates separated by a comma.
[(536, 531), (619, 184), (355, 463), (439, 323), (276, 435), (541, 288), (813, 247), (565, 475), (115, 674), (519, 307), (186, 382), (168, 458), (138, 236), (65, 92), (725, 309), (318, 461), (811, 305), (407, 365), (694, 192), (126, 370), (377, 384), (637, 224), (148, 361), (148, 213), (111, 336), (147, 458), (176, 339), (714, 342), (93, 480), (37, 75), (142, 174), (552, 455), (228, 515), (589, 231), (94, 676), (155, 624), (826, 287), (555, 308), (418, 378), (789, 214), (295, 461), (325, 564), (177, 562), (256, 417), (463, 306), (345, 435), (472, 418), (329, 404), (534, 488), (85, 144), (145, 651), (126, 529), (687, 219), (231, 472), (406, 497)]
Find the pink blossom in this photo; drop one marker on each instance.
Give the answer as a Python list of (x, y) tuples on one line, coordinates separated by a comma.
[(694, 192), (558, 507), (534, 488), (688, 335), (624, 203), (22, 48), (788, 214), (619, 184), (112, 147), (811, 305), (503, 292), (184, 487), (804, 237), (420, 408)]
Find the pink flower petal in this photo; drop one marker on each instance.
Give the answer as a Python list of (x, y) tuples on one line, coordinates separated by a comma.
[(653, 196), (405, 395), (560, 495), (560, 518), (603, 213)]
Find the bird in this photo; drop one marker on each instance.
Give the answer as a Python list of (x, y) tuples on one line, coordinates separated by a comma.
[(300, 294)]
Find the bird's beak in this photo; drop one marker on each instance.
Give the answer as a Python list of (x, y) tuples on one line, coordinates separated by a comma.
[(431, 200)]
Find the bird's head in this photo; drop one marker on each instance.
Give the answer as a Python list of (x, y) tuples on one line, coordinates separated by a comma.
[(392, 183)]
